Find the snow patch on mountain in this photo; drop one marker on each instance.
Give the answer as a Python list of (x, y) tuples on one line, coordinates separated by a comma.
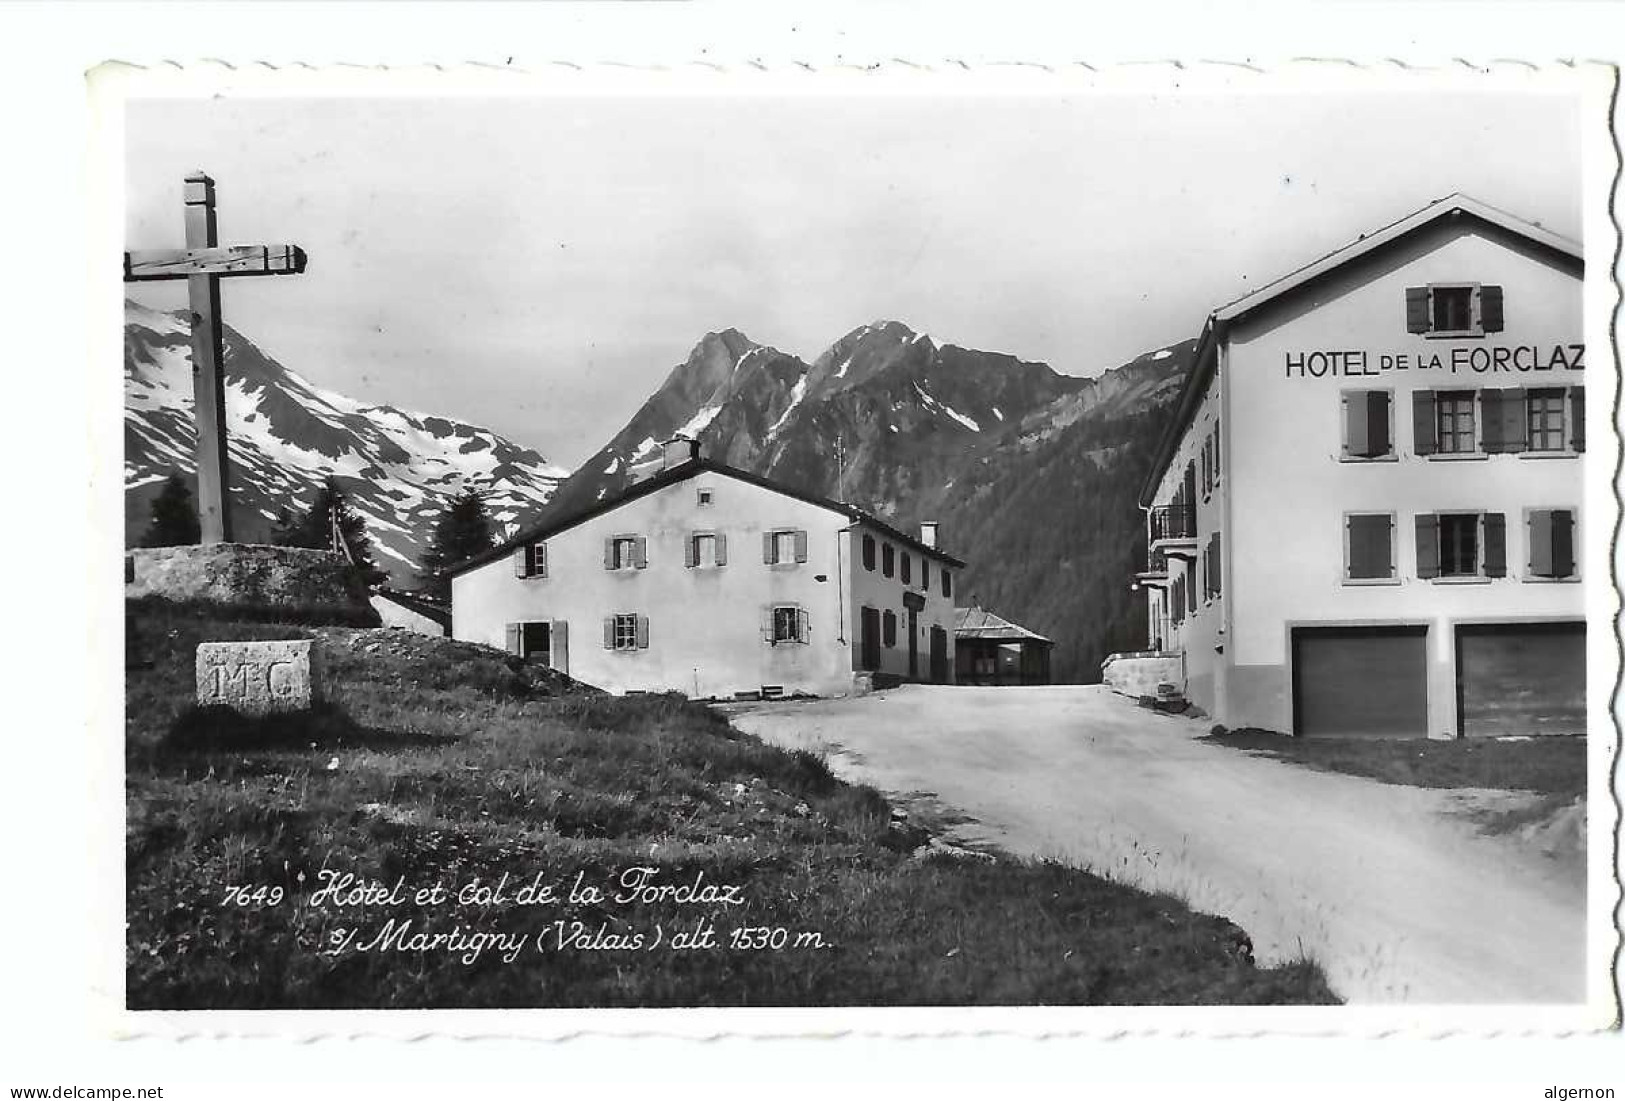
[(796, 394), (941, 407)]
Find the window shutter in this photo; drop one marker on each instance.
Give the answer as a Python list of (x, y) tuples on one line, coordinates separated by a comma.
[(769, 632), (1416, 310), (1425, 422), (721, 546), (609, 554), (1216, 464), (767, 548), (643, 632), (1577, 417), (1381, 546), (1491, 309), (803, 625), (1506, 419), (1378, 442), (1427, 545), (1190, 500), (521, 561), (1489, 404), (947, 583), (1540, 542), (1359, 564), (801, 546), (1217, 567), (640, 553), (1356, 423), (1495, 544), (516, 636), (925, 575), (559, 645), (609, 632), (1562, 543), (691, 550)]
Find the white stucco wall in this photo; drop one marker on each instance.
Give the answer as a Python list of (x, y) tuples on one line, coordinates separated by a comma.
[(874, 589), (705, 624), (1289, 487), (1200, 632)]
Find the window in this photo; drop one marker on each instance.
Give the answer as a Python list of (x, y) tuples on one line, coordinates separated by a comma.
[(947, 583), (1454, 309), (789, 625), (784, 547), (1368, 547), (534, 641), (625, 552), (707, 548), (1207, 467), (888, 559), (1368, 424), (1551, 543), (905, 569), (1216, 463), (1211, 572), (1453, 410), (1461, 545), (1545, 419), (869, 553), (530, 560), (626, 631), (888, 628), (703, 495), (925, 575)]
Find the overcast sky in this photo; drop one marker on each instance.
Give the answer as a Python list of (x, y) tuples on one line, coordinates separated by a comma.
[(539, 265)]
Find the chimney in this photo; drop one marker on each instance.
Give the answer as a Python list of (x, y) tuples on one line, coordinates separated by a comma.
[(928, 533), (680, 450)]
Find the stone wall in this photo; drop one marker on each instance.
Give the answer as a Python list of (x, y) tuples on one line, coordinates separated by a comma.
[(253, 580), (1139, 675)]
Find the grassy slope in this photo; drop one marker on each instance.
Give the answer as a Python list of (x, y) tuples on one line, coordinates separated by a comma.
[(450, 764), (1548, 766)]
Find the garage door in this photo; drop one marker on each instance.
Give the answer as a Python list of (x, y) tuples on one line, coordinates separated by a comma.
[(1360, 681), (1521, 678)]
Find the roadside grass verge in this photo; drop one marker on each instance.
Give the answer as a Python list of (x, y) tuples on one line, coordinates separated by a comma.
[(1545, 765), (437, 763)]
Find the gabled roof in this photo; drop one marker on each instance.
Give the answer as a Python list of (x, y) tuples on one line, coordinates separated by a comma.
[(1567, 252), (413, 603), (680, 473), (981, 623)]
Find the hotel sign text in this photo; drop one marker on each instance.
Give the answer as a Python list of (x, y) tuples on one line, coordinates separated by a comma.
[(1475, 359)]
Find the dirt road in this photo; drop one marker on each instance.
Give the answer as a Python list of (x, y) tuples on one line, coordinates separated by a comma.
[(1391, 888)]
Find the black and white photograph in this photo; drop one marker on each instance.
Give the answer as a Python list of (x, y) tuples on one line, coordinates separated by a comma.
[(818, 550), (789, 559)]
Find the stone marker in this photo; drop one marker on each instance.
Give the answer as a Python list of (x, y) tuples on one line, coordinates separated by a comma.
[(256, 677)]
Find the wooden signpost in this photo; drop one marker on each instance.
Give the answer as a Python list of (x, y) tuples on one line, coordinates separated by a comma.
[(203, 263)]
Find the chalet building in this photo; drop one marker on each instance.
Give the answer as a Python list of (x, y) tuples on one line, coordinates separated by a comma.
[(711, 581), (1365, 518), (989, 649)]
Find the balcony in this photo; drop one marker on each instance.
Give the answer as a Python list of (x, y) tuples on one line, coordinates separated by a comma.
[(1155, 574), (1173, 532)]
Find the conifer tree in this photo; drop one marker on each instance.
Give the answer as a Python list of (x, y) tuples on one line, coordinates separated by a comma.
[(314, 529), (174, 518), (462, 531)]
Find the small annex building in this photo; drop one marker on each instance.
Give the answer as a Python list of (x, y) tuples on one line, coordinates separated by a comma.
[(989, 649), (1365, 518), (710, 581), (410, 612)]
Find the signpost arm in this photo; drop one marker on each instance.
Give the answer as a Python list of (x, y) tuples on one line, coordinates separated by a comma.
[(208, 356)]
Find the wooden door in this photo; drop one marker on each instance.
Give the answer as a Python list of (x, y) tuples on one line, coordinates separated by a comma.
[(913, 644), (869, 639), (939, 656)]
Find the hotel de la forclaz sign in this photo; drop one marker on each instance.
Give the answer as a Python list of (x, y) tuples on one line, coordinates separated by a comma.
[(1474, 359)]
